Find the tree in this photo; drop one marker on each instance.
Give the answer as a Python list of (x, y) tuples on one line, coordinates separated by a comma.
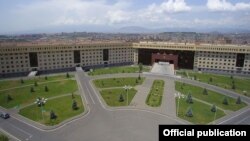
[(195, 77), (139, 77), (21, 81), (213, 109), (238, 101), (9, 98), (233, 86), (3, 138), (72, 95), (225, 101), (189, 98), (67, 75), (210, 79), (46, 88), (74, 105), (136, 81), (205, 91), (53, 116), (35, 84), (46, 78), (121, 99), (140, 67), (182, 87), (32, 89), (189, 112)]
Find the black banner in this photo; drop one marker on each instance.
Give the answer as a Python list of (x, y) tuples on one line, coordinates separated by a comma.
[(199, 132)]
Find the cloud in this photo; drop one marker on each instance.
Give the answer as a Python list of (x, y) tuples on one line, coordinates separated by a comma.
[(224, 5), (170, 6), (118, 13), (96, 12)]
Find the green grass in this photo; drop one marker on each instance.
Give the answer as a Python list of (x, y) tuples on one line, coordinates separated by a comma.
[(117, 82), (123, 69), (61, 106), (212, 97), (23, 96), (111, 96), (6, 84), (223, 81), (3, 137), (154, 98), (201, 112)]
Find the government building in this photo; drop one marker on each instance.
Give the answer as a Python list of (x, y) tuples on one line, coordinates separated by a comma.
[(19, 59)]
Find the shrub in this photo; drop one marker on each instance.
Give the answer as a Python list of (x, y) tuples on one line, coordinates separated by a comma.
[(121, 98), (225, 101), (189, 112), (32, 89), (205, 91), (46, 88), (74, 105), (238, 101), (189, 98), (53, 116), (213, 109)]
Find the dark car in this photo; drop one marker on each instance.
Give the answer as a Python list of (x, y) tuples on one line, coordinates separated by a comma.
[(4, 115)]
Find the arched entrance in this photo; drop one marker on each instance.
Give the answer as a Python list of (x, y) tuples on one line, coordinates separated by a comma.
[(171, 58)]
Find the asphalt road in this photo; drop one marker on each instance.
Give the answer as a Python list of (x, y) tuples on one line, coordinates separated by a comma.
[(101, 124), (239, 119)]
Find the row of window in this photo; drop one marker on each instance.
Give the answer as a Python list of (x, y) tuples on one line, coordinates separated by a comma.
[(213, 59), (224, 71)]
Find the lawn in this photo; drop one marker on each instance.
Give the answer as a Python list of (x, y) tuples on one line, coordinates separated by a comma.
[(61, 106), (201, 112), (112, 96), (123, 69), (23, 96), (224, 81), (117, 82), (6, 84), (3, 137), (154, 98), (212, 97)]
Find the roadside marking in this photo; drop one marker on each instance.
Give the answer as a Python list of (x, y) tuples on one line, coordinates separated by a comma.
[(8, 134), (30, 136), (98, 97), (50, 130), (79, 85), (90, 94), (243, 119), (234, 116)]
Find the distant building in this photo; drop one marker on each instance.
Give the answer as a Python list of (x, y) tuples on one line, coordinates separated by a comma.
[(19, 59)]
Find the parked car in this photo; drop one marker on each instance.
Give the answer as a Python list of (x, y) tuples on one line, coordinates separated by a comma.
[(4, 115)]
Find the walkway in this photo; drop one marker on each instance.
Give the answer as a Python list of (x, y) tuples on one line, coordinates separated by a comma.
[(168, 100)]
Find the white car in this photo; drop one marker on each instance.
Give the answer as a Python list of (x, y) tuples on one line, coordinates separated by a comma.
[(4, 115)]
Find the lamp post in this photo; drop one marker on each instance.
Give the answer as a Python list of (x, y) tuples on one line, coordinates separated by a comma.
[(40, 102), (127, 88), (179, 96), (215, 114)]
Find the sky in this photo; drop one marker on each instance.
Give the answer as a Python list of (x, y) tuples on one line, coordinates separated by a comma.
[(19, 16)]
